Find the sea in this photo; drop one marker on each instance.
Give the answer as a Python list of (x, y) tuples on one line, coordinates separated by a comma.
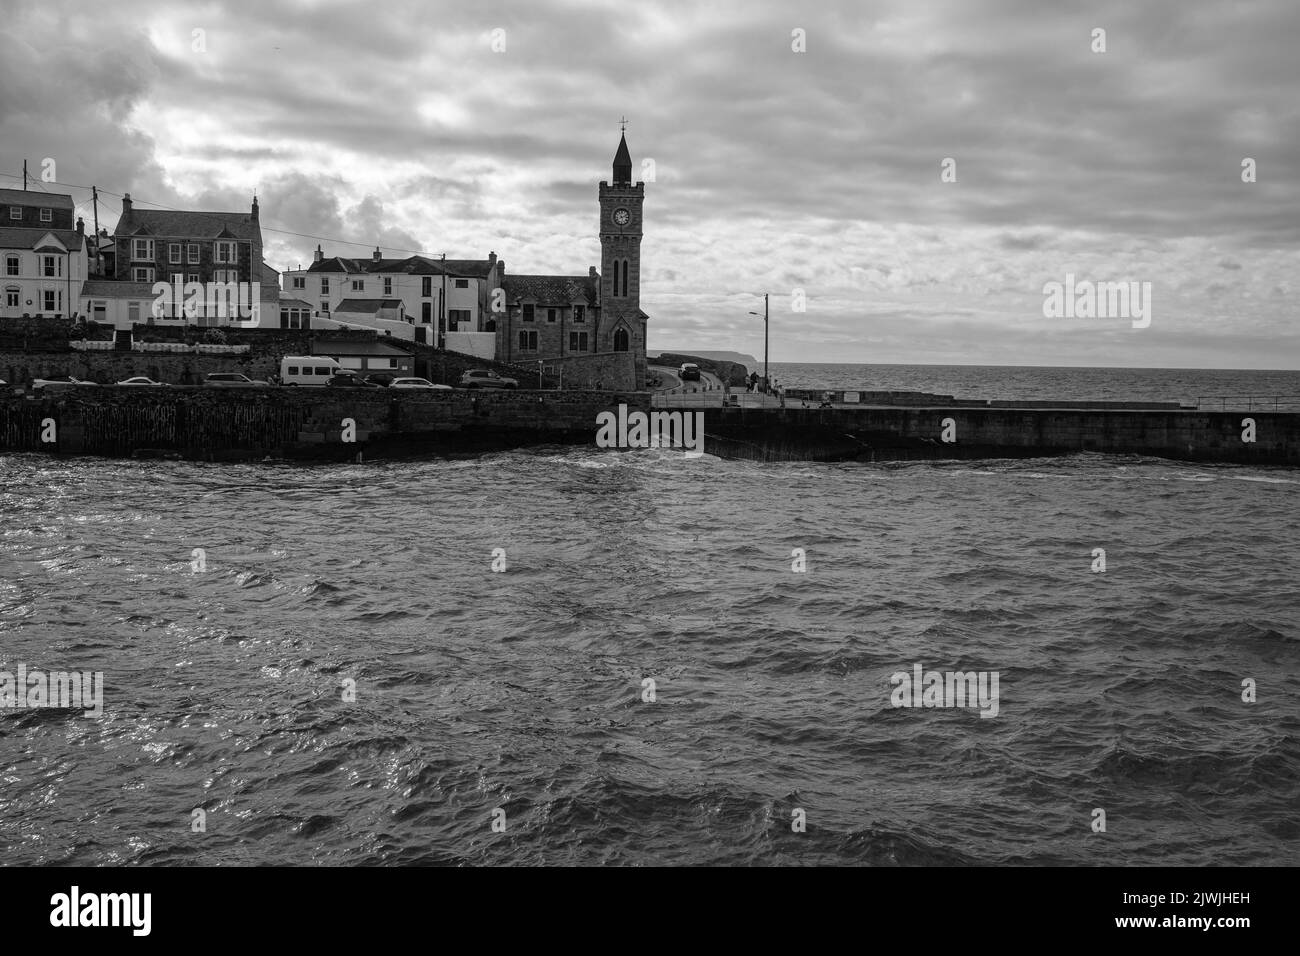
[(559, 655)]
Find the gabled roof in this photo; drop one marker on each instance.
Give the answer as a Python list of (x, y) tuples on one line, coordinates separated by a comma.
[(109, 289), (16, 237), (174, 224), (367, 305), (32, 197), (551, 290), (288, 302)]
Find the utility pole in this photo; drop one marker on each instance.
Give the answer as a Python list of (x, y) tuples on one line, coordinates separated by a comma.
[(94, 196), (767, 382), (442, 306), (24, 175)]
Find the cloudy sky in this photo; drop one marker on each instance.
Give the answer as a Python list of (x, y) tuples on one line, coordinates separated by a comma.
[(462, 128)]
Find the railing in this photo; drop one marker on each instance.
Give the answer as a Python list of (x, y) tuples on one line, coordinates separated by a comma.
[(91, 346), (201, 348), (1275, 403)]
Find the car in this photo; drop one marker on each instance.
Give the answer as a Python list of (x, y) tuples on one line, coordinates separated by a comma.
[(350, 380), (142, 380), (416, 383), (66, 381), (233, 380), (485, 378), (690, 372), (382, 379)]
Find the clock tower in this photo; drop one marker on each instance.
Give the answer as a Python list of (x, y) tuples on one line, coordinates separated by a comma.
[(622, 323)]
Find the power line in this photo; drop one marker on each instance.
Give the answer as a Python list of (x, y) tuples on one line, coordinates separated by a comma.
[(283, 232)]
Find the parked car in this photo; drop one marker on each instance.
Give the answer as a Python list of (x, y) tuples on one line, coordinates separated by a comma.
[(416, 383), (690, 372), (350, 380), (56, 383), (383, 380), (142, 380), (485, 378), (233, 380)]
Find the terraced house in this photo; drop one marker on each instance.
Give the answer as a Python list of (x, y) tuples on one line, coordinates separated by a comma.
[(43, 259), (436, 296), (163, 245)]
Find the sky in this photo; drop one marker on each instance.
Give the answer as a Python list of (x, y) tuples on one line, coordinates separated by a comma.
[(795, 149)]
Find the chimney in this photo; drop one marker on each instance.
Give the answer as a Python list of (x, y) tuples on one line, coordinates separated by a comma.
[(376, 257), (126, 206), (492, 261), (319, 255), (592, 272), (81, 226), (255, 207)]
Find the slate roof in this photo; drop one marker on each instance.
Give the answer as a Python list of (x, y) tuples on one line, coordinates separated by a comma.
[(552, 290), (412, 265), (108, 289), (293, 303), (367, 305), (170, 224), (16, 237), (333, 349), (31, 197)]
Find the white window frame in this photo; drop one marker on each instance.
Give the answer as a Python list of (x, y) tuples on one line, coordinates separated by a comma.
[(174, 253), (192, 255), (15, 212), (225, 251), (16, 294), (47, 215), (54, 265), (388, 285), (358, 285), (137, 276), (9, 260), (137, 245), (299, 282)]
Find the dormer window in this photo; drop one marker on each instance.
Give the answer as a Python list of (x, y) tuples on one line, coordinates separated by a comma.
[(142, 250), (47, 215), (226, 252), (15, 212), (528, 312)]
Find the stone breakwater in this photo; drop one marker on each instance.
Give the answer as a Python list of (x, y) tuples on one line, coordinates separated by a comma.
[(207, 423)]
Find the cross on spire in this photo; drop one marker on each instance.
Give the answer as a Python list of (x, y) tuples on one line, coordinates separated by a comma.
[(622, 125)]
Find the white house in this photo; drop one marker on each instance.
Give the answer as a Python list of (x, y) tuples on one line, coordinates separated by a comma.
[(43, 260)]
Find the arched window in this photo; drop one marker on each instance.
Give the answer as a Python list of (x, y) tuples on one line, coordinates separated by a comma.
[(620, 340), (616, 278), (625, 292)]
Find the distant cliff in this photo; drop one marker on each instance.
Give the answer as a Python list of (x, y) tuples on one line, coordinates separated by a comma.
[(739, 358)]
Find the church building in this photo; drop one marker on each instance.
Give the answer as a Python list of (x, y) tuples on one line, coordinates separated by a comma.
[(554, 318)]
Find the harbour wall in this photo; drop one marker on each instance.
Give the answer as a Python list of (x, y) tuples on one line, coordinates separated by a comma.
[(208, 423)]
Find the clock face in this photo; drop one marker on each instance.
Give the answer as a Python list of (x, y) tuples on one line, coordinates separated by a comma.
[(622, 217)]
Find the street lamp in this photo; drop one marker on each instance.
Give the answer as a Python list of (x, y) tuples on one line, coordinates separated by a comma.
[(767, 382)]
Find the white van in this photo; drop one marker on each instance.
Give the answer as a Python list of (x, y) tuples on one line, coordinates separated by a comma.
[(308, 370)]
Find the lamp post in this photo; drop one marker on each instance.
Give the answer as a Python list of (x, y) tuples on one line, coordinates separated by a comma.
[(767, 382)]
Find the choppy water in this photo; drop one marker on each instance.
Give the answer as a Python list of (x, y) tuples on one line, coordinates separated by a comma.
[(523, 690)]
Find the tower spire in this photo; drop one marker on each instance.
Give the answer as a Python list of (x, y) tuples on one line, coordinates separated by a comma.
[(622, 158)]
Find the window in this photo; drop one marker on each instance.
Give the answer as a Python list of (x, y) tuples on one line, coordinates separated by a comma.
[(192, 253), (11, 298), (426, 312), (426, 286), (133, 311), (49, 300), (528, 312), (325, 307), (577, 341), (620, 340), (462, 283), (47, 215), (15, 212), (325, 286), (223, 275), (142, 274), (358, 285), (284, 324), (527, 341), (226, 251), (552, 314), (322, 370), (300, 282), (292, 369), (625, 292), (457, 316), (615, 278), (194, 277), (13, 266), (579, 313), (142, 250), (51, 267), (388, 285), (174, 253)]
